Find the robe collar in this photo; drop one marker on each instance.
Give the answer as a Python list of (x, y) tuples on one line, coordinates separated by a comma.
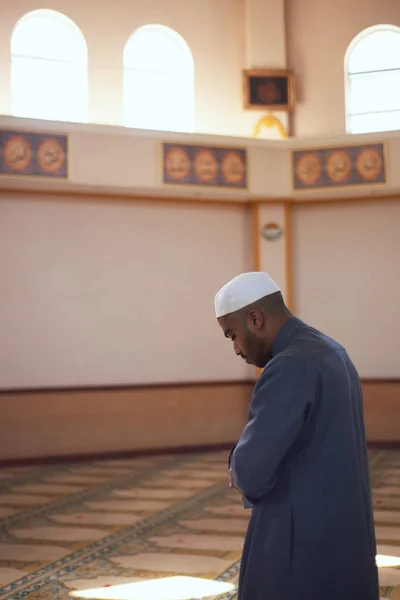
[(285, 334)]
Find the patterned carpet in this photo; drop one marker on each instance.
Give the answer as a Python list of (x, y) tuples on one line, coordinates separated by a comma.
[(101, 524)]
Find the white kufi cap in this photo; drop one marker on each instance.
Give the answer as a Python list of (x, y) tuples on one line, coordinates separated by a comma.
[(243, 291)]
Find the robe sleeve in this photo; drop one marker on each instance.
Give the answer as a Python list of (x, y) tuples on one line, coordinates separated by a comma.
[(283, 398)]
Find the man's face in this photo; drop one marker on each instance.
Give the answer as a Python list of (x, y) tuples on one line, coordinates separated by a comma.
[(243, 331)]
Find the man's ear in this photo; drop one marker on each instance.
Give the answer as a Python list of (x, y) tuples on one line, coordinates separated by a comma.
[(255, 320)]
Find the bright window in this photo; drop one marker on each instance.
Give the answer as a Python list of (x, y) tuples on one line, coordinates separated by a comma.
[(372, 70), (158, 80), (49, 68)]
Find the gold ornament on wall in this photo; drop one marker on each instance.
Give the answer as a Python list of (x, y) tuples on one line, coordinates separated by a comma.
[(269, 121)]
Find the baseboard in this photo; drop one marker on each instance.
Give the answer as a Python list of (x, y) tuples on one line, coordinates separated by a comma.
[(42, 426), (384, 445), (382, 410), (63, 424), (78, 458), (75, 389)]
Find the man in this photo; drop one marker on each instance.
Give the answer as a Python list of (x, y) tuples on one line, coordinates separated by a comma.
[(301, 462)]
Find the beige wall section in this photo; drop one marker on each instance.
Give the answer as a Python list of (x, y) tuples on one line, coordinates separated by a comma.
[(273, 254), (95, 422), (269, 170), (265, 34), (318, 35), (346, 279), (116, 293), (266, 46)]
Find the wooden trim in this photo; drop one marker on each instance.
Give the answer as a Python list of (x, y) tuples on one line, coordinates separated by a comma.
[(272, 200), (85, 195), (255, 209), (118, 388), (153, 386), (76, 458), (346, 200), (384, 380), (327, 201), (288, 256), (384, 445)]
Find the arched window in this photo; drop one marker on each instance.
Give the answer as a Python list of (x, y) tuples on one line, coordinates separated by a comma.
[(158, 80), (372, 71), (49, 68)]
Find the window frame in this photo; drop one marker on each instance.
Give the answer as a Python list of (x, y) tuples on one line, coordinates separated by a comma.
[(81, 66), (189, 75), (347, 75)]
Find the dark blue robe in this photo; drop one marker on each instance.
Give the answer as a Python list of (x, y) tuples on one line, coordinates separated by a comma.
[(301, 463)]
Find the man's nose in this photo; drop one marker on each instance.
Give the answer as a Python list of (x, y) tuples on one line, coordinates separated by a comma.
[(236, 348)]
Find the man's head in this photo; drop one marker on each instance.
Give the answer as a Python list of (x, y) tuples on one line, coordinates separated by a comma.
[(250, 311)]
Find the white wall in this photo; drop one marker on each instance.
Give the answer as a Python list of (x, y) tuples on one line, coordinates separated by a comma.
[(101, 294), (346, 279)]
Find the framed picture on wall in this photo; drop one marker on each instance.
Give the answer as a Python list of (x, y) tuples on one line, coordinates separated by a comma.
[(33, 154), (269, 90), (343, 166), (210, 166)]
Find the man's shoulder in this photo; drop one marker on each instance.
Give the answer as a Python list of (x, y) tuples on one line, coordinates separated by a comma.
[(313, 336), (310, 352), (310, 346), (307, 349)]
